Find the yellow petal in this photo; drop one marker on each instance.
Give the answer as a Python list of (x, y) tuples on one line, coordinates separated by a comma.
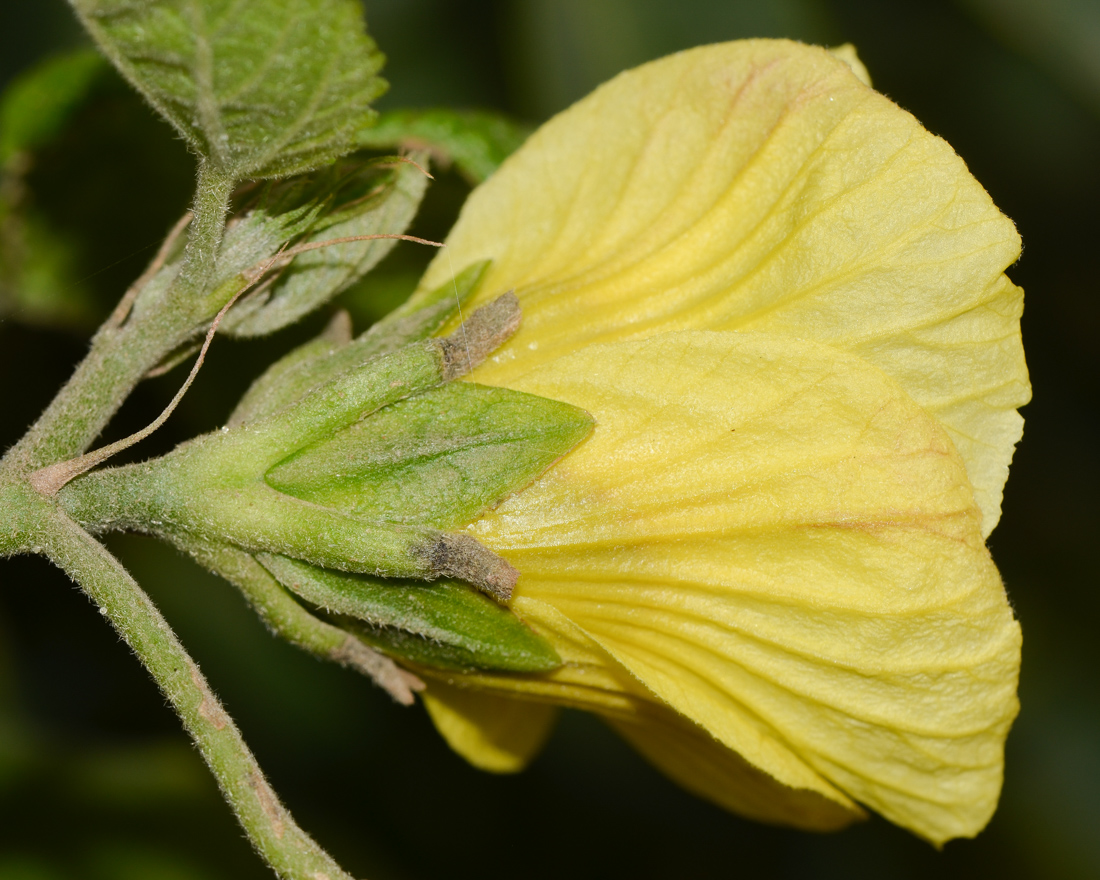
[(847, 54), (703, 766), (590, 678), (760, 185), (781, 545), (492, 733)]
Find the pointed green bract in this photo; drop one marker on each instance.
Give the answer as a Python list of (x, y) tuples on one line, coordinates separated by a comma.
[(439, 458), (259, 88), (317, 362), (476, 141), (444, 624), (213, 488)]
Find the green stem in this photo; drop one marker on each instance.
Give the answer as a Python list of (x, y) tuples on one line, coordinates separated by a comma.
[(125, 498), (117, 361), (291, 852), (120, 356), (204, 235)]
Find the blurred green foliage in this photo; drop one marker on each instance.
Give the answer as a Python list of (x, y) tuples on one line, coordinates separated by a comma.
[(1062, 36), (476, 142), (37, 104), (36, 263), (96, 779)]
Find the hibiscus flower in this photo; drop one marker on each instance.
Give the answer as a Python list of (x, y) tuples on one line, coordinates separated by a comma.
[(783, 303)]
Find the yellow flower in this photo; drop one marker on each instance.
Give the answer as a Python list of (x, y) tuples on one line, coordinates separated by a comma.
[(783, 302)]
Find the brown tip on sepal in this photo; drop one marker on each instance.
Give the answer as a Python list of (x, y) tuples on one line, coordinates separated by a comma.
[(463, 557), (480, 335), (338, 331)]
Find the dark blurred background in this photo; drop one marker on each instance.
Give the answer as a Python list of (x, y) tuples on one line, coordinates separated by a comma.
[(96, 778)]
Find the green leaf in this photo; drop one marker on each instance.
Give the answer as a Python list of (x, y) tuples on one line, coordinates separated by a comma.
[(351, 197), (475, 141), (361, 204), (322, 360), (283, 210), (445, 624), (35, 106), (259, 88), (438, 459)]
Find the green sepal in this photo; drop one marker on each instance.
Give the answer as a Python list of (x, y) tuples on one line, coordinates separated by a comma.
[(321, 360), (278, 385), (258, 88), (438, 459), (213, 488), (476, 141), (444, 624)]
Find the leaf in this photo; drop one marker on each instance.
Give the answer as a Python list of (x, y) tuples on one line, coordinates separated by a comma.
[(259, 88), (445, 624), (284, 210), (360, 205), (288, 208), (439, 458), (476, 141), (37, 104), (39, 280)]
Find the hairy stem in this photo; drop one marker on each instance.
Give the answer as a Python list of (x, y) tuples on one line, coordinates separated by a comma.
[(50, 479), (120, 356), (286, 618), (116, 363), (292, 853), (205, 234)]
